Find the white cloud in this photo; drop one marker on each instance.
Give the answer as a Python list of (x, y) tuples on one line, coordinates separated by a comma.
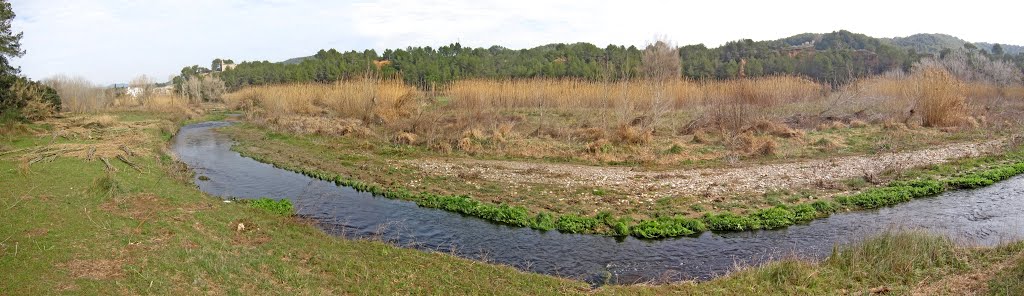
[(114, 40)]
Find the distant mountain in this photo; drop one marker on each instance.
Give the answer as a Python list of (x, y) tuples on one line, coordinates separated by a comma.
[(1009, 49), (293, 61), (934, 43), (927, 43)]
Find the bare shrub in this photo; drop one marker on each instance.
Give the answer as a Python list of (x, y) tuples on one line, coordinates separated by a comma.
[(404, 138), (143, 85), (700, 137), (972, 66), (203, 88), (775, 129), (598, 146), (469, 146), (78, 94), (754, 145)]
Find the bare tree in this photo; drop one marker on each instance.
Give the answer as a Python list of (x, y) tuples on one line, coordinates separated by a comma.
[(661, 60), (192, 89), (77, 94), (213, 89), (142, 87), (200, 89), (661, 65)]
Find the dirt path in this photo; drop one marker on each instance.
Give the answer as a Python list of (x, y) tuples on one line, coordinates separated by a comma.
[(645, 185)]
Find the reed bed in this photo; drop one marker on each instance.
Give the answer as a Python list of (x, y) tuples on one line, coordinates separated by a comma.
[(371, 100), (519, 116), (571, 94)]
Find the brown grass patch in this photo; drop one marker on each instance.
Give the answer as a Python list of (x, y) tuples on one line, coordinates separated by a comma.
[(700, 137), (138, 207), (628, 134), (598, 146), (757, 146), (404, 138), (775, 129), (469, 146), (320, 125), (248, 233), (95, 269), (37, 232)]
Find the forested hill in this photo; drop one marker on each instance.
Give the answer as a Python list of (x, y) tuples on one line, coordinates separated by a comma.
[(936, 43), (834, 58)]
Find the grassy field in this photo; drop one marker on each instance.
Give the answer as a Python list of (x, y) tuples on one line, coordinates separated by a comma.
[(70, 226)]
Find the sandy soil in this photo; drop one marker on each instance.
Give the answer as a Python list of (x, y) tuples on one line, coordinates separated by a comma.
[(645, 186)]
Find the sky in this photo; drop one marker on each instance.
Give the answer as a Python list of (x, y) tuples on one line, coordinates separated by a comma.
[(113, 41)]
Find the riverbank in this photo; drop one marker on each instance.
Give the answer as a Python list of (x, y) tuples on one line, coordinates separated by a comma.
[(69, 226), (527, 193)]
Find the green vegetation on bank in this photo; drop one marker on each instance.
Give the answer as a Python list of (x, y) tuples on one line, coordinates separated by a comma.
[(281, 207), (965, 174)]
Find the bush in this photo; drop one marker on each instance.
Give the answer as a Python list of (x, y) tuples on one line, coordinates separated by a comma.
[(543, 221), (773, 218), (895, 193), (825, 207), (616, 226), (729, 222), (281, 207), (24, 99), (804, 213), (571, 223), (668, 227), (517, 216)]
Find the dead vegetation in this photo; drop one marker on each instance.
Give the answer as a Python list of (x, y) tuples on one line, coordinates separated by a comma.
[(95, 269), (633, 120), (91, 137)]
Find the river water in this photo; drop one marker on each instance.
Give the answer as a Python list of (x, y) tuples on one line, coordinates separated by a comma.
[(984, 217)]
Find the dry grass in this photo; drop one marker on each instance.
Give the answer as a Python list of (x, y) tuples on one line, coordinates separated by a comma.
[(621, 120), (372, 100), (941, 99)]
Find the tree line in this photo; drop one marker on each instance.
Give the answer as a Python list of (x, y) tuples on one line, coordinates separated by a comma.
[(20, 97), (835, 58)]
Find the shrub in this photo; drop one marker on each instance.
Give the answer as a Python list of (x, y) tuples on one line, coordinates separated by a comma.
[(571, 223), (729, 222), (824, 207), (543, 221), (667, 227), (617, 226), (281, 207), (776, 217), (895, 193), (804, 213)]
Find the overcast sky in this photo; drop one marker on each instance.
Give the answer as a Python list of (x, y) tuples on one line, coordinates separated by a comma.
[(111, 41)]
